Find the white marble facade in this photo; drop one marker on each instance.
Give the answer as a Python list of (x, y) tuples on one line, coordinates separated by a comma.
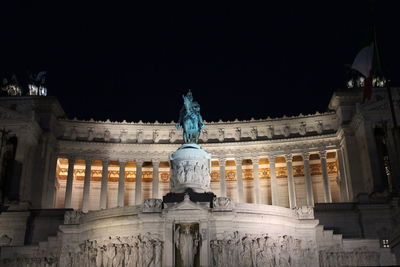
[(270, 168)]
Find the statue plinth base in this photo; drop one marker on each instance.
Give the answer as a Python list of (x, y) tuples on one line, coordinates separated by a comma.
[(194, 197), (190, 169)]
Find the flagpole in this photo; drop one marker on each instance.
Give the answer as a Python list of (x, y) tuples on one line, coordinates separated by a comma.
[(395, 129)]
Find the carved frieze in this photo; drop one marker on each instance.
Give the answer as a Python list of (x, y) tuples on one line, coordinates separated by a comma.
[(337, 256), (304, 212), (140, 250), (223, 204), (152, 205), (242, 249), (5, 240), (73, 217)]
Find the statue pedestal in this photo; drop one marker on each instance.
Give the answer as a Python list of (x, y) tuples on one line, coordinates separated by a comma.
[(193, 196), (190, 168)]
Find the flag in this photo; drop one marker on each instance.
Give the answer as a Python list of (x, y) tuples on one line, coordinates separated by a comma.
[(363, 64)]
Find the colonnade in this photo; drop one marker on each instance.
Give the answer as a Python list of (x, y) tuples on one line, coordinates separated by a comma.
[(222, 179), (104, 183), (273, 177)]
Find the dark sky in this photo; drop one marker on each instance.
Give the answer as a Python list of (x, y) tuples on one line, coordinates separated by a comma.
[(134, 62)]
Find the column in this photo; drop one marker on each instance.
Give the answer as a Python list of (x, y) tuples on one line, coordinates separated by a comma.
[(156, 164), (222, 176), (308, 179), (239, 179), (138, 187), (86, 185), (70, 181), (104, 181), (274, 182), (255, 162), (344, 187), (290, 179), (121, 183), (325, 178)]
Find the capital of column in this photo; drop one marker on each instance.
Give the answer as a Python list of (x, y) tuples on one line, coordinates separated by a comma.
[(238, 160), (288, 157), (322, 154), (306, 156), (271, 158), (122, 161), (139, 162), (255, 160), (88, 161), (105, 161), (155, 162), (71, 159), (222, 161)]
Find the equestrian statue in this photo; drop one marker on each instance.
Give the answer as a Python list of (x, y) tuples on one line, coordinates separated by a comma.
[(190, 119)]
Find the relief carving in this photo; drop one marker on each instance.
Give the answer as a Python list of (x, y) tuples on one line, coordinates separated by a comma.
[(172, 136), (139, 136), (156, 136), (221, 135), (320, 127), (304, 212), (73, 217), (204, 135), (238, 134), (107, 135), (5, 240), (123, 136), (152, 205), (237, 249), (223, 204), (270, 131), (132, 251), (286, 131), (336, 256), (303, 129), (253, 133)]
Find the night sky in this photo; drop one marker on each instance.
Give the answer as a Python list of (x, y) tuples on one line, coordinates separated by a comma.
[(134, 62)]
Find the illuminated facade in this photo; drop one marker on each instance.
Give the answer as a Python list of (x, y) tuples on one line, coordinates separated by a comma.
[(50, 163)]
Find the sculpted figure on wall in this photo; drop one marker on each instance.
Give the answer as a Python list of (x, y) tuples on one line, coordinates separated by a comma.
[(222, 203), (304, 212), (204, 136), (152, 205), (156, 136), (221, 135), (253, 133), (302, 129), (172, 136), (5, 240), (238, 134), (131, 251), (237, 249), (72, 217), (336, 256), (139, 136), (187, 240), (286, 131), (41, 258), (270, 131), (320, 127)]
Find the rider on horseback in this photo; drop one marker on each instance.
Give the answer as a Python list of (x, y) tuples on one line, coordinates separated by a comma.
[(190, 119)]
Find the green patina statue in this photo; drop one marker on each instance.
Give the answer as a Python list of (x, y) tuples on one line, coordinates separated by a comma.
[(190, 119)]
